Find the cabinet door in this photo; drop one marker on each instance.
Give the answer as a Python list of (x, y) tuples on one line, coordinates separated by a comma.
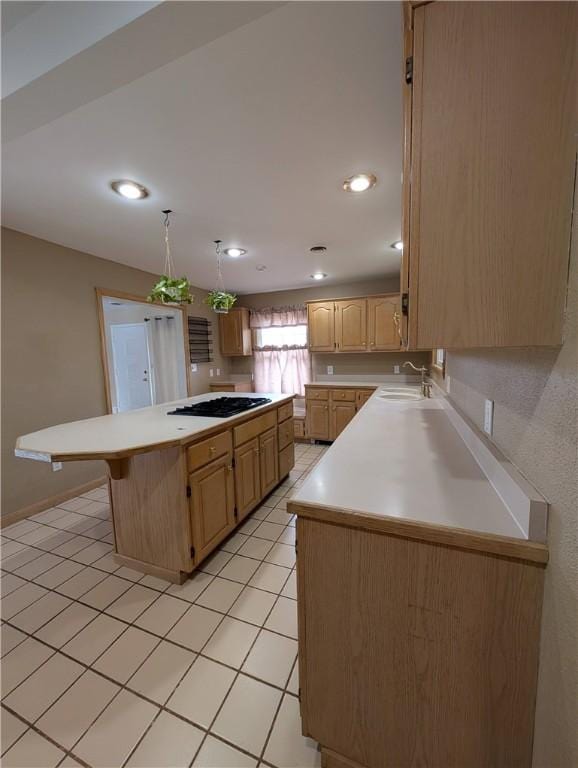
[(492, 173), (234, 333), (212, 505), (317, 420), (383, 320), (269, 460), (247, 477), (361, 397), (321, 326), (351, 325), (341, 415)]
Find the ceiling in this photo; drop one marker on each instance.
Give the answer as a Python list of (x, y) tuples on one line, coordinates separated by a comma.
[(242, 117)]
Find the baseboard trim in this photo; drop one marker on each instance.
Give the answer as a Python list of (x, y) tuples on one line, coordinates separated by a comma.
[(52, 501)]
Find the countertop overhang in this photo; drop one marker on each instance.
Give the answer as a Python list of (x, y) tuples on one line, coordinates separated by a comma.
[(121, 435)]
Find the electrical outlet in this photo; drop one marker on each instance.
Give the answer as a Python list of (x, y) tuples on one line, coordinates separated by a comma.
[(489, 417), (218, 371), (330, 370), (448, 384), (194, 367), (56, 466), (211, 373), (396, 368)]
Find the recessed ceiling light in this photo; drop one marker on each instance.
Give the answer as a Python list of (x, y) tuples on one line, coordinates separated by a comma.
[(398, 245), (318, 249), (260, 268), (318, 275), (130, 189), (235, 252), (360, 182)]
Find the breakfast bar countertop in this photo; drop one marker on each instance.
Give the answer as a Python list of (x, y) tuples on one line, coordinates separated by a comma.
[(118, 435)]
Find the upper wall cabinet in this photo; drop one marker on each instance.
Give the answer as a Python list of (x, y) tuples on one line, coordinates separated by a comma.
[(489, 163), (364, 324), (235, 333)]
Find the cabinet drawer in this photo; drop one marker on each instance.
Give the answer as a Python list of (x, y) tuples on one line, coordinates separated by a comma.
[(343, 395), (286, 460), (254, 427), (285, 433), (209, 449), (285, 412), (316, 394), (222, 387)]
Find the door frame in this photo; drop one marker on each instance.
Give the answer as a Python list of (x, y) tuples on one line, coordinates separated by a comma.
[(106, 368)]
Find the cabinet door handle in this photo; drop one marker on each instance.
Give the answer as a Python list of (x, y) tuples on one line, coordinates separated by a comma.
[(212, 449), (229, 467)]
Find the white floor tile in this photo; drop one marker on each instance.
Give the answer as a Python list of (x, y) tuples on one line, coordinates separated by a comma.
[(81, 583), (106, 563), (288, 536), (287, 748), (90, 554), (32, 751), (10, 583), (192, 588), (35, 567), (10, 637), (20, 599), (270, 577), (239, 569), (245, 725), (220, 594), (216, 754), (116, 732), (290, 588), (278, 515), (40, 690), (95, 638), (202, 691), (170, 743), (231, 642), (59, 574), (132, 603), (271, 658), (105, 592), (214, 563), (72, 714), (128, 573), (249, 526), (282, 554), (67, 624), (72, 545), (234, 542), (21, 662), (155, 583), (195, 627), (253, 605), (293, 684), (126, 654), (256, 548), (11, 727), (270, 531), (161, 672), (162, 614), (40, 612), (283, 617)]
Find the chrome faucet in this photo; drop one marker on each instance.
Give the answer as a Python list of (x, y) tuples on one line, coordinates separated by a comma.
[(425, 385)]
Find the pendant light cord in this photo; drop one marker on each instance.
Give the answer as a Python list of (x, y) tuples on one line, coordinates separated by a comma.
[(220, 286), (168, 257)]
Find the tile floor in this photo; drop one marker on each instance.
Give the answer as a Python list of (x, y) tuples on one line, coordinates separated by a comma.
[(102, 666)]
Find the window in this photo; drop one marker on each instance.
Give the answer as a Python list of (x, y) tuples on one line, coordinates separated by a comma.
[(281, 357), (439, 360), (200, 340), (281, 336)]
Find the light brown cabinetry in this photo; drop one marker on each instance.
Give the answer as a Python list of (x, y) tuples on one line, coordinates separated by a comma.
[(351, 325), (329, 411), (321, 326), (317, 419), (231, 386), (212, 505), (362, 396), (268, 460), (247, 477), (341, 415), (235, 333), (383, 317), (489, 161)]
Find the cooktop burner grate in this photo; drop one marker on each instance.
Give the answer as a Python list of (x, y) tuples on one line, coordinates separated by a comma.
[(220, 407)]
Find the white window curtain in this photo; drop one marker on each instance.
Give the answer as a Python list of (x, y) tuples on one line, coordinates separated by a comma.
[(281, 357), (167, 376)]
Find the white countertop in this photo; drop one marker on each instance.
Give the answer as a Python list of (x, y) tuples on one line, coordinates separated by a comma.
[(130, 431), (407, 461)]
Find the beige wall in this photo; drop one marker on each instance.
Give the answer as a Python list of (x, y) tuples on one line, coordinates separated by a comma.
[(535, 393), (374, 362), (51, 364)]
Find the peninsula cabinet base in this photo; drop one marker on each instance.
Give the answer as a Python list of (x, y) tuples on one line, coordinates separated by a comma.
[(412, 652), (175, 577)]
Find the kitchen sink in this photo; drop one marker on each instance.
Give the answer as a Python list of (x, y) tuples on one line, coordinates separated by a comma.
[(400, 395)]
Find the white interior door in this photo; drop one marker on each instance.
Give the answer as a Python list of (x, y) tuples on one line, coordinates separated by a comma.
[(131, 366)]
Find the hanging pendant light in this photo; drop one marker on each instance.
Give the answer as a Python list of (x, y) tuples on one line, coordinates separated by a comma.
[(220, 301), (170, 289)]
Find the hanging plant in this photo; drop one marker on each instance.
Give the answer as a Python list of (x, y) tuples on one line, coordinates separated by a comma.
[(169, 289), (220, 301)]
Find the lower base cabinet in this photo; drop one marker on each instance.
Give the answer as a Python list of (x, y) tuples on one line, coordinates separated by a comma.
[(268, 461), (341, 415), (247, 477), (212, 505), (329, 411)]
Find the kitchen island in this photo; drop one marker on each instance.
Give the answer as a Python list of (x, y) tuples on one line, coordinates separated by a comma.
[(179, 484), (420, 567)]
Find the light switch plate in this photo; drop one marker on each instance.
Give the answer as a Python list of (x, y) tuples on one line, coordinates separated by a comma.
[(489, 417), (330, 370), (218, 371), (396, 368), (211, 373), (56, 466), (194, 367)]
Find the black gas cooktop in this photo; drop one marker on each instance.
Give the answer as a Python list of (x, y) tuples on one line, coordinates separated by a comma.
[(220, 407)]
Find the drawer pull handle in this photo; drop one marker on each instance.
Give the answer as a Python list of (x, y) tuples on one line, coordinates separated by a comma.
[(212, 449)]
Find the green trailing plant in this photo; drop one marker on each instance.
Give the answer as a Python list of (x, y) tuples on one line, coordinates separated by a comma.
[(220, 301), (172, 290)]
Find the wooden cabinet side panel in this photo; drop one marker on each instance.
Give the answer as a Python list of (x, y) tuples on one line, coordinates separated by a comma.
[(493, 160), (414, 653), (149, 507)]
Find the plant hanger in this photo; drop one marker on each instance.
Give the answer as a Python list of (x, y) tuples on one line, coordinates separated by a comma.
[(220, 301), (170, 289)]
